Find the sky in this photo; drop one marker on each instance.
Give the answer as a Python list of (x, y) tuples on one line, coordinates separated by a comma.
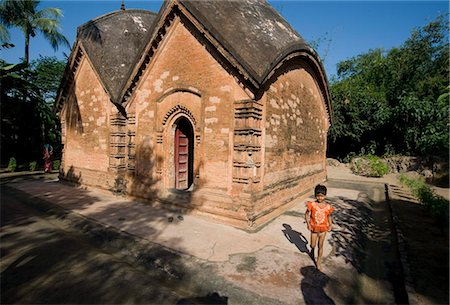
[(344, 29)]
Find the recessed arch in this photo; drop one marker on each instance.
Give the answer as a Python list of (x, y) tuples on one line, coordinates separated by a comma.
[(178, 109)]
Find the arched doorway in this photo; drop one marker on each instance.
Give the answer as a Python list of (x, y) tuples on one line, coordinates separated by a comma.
[(183, 154)]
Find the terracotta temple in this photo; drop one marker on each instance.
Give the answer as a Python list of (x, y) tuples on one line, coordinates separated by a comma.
[(218, 108)]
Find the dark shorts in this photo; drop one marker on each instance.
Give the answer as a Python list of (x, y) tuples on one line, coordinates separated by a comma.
[(319, 233)]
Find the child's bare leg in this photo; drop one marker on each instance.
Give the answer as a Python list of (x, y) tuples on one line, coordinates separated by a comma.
[(320, 250), (313, 245)]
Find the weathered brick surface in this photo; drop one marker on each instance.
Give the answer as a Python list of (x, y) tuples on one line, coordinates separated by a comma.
[(86, 120), (251, 158), (185, 74), (296, 126)]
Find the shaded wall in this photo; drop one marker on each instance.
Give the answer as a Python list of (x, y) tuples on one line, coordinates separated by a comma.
[(85, 120)]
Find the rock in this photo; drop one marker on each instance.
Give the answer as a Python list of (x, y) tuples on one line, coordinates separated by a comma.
[(333, 162), (180, 217), (412, 175), (170, 219), (428, 174), (402, 164)]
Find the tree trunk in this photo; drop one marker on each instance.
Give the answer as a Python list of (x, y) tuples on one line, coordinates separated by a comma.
[(27, 48)]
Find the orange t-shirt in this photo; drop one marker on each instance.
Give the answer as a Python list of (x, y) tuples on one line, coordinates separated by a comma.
[(319, 216)]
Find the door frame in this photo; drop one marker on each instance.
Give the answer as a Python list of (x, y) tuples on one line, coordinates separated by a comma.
[(173, 150)]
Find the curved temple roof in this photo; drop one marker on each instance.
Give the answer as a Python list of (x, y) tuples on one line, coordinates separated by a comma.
[(114, 42), (251, 31)]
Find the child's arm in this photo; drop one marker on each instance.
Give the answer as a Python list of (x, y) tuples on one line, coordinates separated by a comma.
[(307, 219), (330, 222)]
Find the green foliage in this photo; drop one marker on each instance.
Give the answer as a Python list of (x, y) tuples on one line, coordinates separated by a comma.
[(32, 166), (56, 164), (27, 95), (396, 101), (12, 164), (436, 205), (25, 15), (370, 166), (48, 72)]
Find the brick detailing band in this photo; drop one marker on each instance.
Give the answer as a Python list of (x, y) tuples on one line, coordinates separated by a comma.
[(118, 144), (247, 142)]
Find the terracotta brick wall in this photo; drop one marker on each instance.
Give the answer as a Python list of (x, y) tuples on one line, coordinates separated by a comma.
[(295, 128), (86, 120), (184, 73), (184, 79)]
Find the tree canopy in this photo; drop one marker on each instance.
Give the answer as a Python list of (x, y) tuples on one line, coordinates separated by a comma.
[(394, 101), (27, 96), (24, 14)]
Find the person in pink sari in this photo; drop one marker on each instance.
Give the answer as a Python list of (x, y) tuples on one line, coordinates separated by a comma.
[(48, 158)]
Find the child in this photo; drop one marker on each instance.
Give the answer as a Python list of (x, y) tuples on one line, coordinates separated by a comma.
[(318, 220)]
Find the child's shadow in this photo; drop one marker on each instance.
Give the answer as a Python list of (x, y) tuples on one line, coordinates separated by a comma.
[(313, 286), (296, 238)]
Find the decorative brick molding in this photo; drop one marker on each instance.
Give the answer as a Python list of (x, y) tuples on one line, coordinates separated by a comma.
[(118, 143), (176, 110), (247, 142), (131, 126), (159, 137)]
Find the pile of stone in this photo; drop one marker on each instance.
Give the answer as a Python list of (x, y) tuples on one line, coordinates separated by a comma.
[(431, 168)]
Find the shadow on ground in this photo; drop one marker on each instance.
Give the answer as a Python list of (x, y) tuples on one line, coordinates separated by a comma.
[(61, 271), (209, 299), (364, 239), (312, 286), (426, 247)]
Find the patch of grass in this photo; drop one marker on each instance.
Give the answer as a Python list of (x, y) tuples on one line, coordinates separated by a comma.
[(12, 164), (56, 164), (370, 166), (32, 166), (436, 205)]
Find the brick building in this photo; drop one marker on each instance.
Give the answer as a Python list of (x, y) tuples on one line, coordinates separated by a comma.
[(217, 108)]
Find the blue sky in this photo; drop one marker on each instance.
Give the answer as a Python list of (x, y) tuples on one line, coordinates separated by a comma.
[(347, 28)]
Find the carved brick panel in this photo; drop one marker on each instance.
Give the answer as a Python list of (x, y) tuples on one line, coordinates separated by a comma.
[(131, 134), (247, 142), (118, 143)]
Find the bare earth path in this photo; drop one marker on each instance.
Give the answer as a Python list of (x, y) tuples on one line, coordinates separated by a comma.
[(271, 266), (424, 247)]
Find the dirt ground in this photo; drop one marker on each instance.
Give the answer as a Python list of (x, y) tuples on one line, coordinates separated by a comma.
[(423, 246)]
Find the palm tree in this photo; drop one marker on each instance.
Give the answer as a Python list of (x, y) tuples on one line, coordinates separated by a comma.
[(25, 15)]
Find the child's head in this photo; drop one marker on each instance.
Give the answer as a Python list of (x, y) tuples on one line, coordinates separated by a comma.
[(320, 192)]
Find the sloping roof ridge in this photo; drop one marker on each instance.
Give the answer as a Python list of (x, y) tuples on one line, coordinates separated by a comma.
[(300, 45), (111, 14), (231, 49), (218, 37), (164, 10), (96, 71)]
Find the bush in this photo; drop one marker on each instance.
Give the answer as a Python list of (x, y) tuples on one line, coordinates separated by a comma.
[(436, 205), (32, 166), (12, 164), (56, 164), (370, 166)]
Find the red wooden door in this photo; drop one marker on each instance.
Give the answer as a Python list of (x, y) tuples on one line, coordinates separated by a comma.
[(181, 159)]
